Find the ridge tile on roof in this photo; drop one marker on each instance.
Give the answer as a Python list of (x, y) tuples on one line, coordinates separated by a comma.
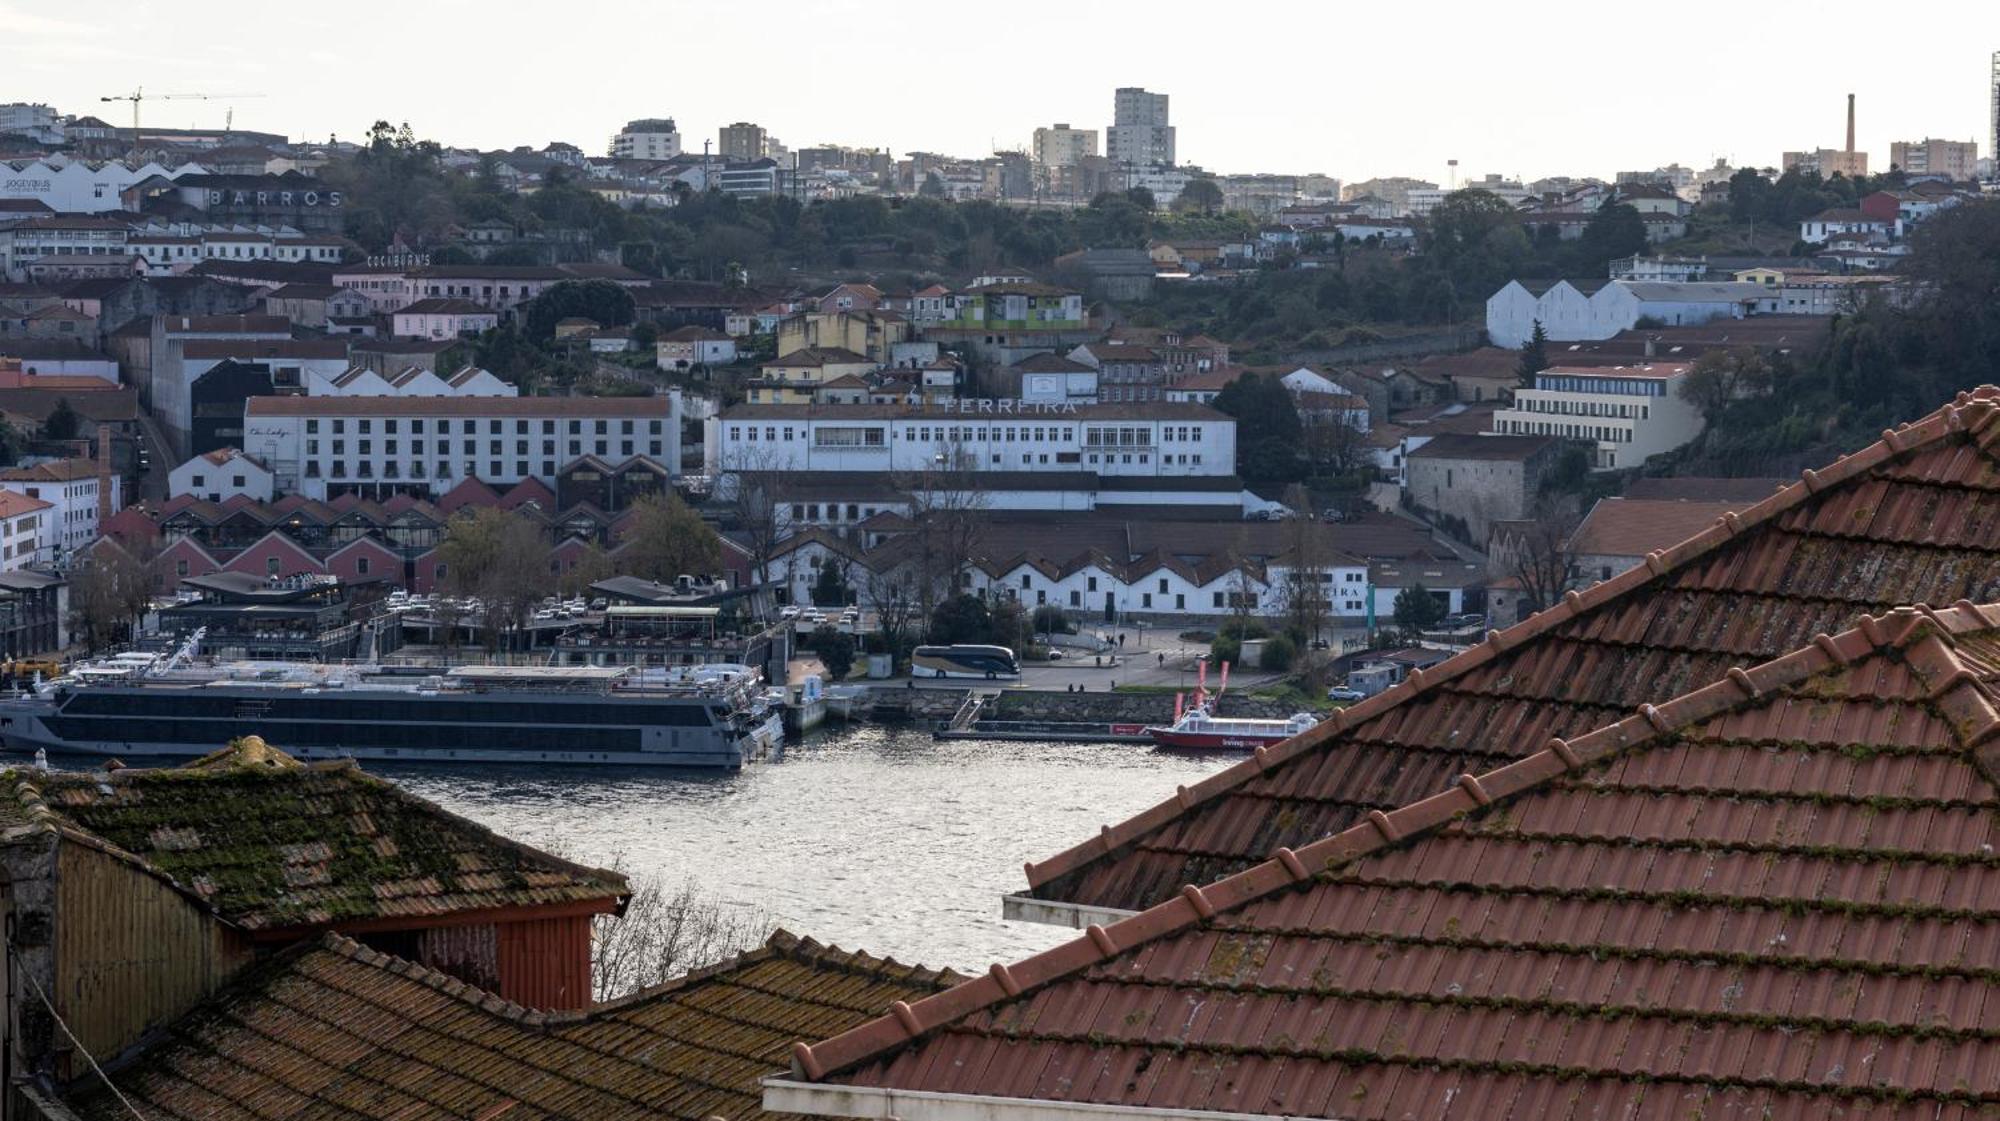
[(1770, 896), (1912, 518)]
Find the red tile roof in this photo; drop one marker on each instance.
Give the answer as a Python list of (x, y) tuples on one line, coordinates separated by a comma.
[(1913, 518), (460, 406), (13, 505), (333, 1029), (1772, 896), (1633, 527)]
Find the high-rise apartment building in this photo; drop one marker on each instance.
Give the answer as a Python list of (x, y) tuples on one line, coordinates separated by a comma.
[(1139, 135), (1063, 146), (653, 138), (743, 142), (1957, 159), (1993, 115)]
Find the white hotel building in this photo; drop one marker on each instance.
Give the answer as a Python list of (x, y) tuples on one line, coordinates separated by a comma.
[(1019, 455), (1628, 412), (322, 447)]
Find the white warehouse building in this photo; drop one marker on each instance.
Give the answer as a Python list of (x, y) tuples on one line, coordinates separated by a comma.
[(1577, 310), (1017, 455), (322, 447)]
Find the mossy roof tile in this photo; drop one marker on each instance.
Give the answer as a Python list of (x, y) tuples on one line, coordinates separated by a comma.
[(271, 844)]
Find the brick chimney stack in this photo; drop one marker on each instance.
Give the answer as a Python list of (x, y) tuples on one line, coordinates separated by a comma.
[(104, 510)]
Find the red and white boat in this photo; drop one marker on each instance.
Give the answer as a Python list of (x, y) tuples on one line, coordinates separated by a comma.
[(1196, 727)]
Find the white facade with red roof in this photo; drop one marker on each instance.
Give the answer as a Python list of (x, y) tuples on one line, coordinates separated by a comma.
[(221, 475), (24, 525)]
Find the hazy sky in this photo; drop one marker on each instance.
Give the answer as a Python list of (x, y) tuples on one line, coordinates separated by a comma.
[(1257, 85)]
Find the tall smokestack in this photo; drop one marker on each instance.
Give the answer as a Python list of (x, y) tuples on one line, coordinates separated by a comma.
[(104, 510), (1850, 122)]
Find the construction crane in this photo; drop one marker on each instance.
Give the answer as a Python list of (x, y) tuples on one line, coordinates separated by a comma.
[(140, 95)]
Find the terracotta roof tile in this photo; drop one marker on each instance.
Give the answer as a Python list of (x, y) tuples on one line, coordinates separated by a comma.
[(1772, 888), (334, 1029), (269, 844), (1915, 517)]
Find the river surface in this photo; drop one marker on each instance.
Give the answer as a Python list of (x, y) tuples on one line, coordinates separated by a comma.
[(868, 838)]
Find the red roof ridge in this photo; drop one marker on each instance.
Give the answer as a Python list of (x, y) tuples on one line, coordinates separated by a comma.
[(1924, 636), (1973, 411)]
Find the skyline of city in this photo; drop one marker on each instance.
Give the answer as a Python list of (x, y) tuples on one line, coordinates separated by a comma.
[(1290, 119)]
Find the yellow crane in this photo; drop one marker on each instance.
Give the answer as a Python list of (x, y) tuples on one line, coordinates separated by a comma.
[(139, 95)]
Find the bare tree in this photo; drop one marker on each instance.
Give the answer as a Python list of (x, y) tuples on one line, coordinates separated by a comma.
[(1332, 445), (891, 596), (1307, 604), (1539, 551), (109, 593), (757, 493), (502, 558), (948, 513), (668, 930)]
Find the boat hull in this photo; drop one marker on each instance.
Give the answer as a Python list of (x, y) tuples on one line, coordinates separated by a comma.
[(1214, 741), (484, 728)]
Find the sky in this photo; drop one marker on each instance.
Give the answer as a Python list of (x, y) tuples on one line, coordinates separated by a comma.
[(1347, 90)]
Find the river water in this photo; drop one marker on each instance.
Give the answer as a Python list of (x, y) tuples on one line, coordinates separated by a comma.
[(868, 838)]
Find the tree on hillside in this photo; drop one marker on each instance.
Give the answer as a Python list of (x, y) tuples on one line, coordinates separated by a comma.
[(62, 423), (1268, 444), (501, 558), (1200, 196), (1720, 377), (1616, 230), (1534, 356), (605, 303), (1417, 609), (666, 539), (962, 618)]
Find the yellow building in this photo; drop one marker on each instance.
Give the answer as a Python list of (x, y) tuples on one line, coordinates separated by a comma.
[(869, 334), (1769, 278), (798, 376)]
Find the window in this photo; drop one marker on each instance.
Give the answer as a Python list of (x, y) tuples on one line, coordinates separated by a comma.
[(1163, 586), (270, 566), (199, 480), (236, 481), (361, 566), (180, 568)]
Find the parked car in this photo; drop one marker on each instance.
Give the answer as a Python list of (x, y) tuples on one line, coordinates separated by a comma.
[(789, 611), (1055, 655), (1343, 693)]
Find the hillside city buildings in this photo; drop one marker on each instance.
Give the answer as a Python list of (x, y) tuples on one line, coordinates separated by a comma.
[(1683, 807)]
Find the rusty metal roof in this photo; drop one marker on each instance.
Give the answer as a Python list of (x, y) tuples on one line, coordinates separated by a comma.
[(1771, 896), (335, 1030), (1912, 518)]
